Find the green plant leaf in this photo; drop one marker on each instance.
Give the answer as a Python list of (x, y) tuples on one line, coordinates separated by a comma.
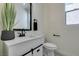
[(8, 16)]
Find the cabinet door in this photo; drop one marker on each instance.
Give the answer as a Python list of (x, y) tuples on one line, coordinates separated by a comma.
[(38, 51)]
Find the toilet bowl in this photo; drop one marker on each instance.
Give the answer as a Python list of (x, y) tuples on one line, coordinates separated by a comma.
[(49, 49)]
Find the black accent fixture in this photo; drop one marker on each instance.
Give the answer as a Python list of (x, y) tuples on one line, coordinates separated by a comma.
[(72, 10), (37, 47), (30, 21), (27, 52), (55, 35), (35, 25), (38, 50), (22, 34), (33, 50)]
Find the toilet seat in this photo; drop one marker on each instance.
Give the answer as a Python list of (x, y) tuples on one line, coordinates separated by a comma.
[(49, 46)]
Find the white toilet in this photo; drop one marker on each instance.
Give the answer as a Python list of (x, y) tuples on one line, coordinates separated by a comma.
[(49, 49)]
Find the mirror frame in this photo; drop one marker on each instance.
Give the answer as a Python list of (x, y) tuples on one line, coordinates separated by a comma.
[(30, 21)]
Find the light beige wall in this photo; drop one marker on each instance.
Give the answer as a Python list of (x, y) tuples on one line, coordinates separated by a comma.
[(1, 48), (54, 19)]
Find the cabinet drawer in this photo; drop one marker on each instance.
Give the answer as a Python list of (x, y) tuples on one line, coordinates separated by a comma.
[(38, 51)]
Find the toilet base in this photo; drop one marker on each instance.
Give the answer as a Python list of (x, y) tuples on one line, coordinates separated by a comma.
[(47, 52)]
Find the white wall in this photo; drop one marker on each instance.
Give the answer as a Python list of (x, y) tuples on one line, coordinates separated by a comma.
[(37, 14), (54, 22)]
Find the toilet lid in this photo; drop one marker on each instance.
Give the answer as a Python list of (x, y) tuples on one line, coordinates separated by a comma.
[(50, 46)]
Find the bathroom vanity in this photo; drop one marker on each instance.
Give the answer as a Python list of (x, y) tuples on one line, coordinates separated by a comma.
[(24, 46)]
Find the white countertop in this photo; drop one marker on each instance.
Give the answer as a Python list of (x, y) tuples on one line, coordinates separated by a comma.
[(21, 39)]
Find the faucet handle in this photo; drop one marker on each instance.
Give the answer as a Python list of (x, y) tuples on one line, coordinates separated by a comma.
[(21, 34)]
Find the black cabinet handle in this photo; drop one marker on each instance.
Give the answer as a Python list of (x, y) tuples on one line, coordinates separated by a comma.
[(33, 50), (38, 50)]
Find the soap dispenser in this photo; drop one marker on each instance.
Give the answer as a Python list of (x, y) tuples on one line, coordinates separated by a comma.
[(35, 25)]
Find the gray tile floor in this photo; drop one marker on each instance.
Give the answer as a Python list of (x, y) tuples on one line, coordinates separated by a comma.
[(57, 54)]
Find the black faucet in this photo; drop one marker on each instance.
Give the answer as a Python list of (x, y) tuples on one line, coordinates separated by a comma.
[(22, 34)]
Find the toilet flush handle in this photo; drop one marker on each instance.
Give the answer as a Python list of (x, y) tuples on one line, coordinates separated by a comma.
[(56, 35)]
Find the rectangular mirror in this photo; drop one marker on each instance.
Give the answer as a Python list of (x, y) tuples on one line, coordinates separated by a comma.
[(23, 18)]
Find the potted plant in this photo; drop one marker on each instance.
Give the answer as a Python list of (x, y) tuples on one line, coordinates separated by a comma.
[(8, 18)]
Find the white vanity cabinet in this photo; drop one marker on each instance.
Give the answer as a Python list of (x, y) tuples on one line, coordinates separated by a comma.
[(38, 51), (22, 45)]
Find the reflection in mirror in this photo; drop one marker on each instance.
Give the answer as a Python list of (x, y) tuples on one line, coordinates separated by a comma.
[(23, 16)]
